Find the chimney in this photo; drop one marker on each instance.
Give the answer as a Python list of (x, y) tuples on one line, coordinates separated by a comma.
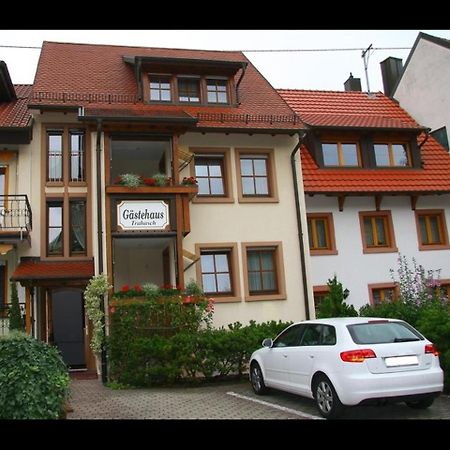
[(391, 69), (352, 84)]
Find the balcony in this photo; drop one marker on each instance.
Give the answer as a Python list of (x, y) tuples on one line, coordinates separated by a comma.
[(15, 219)]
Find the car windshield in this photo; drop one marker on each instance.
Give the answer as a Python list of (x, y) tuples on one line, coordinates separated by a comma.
[(383, 332)]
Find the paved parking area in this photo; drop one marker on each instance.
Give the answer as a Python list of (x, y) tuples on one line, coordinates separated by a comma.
[(91, 400)]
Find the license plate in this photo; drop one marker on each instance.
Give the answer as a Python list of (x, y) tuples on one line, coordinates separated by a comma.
[(396, 361)]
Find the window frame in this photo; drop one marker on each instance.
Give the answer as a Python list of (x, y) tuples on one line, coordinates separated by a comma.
[(216, 80), (74, 200), (319, 290), (340, 153), (232, 248), (277, 248), (272, 196), (169, 79), (442, 227), (77, 132), (329, 230), (223, 152), (53, 202), (390, 144), (382, 286), (190, 78), (54, 131), (388, 229)]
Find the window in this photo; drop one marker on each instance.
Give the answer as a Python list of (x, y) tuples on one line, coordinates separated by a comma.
[(209, 171), (189, 90), (321, 234), (218, 270), (392, 155), (343, 154), (77, 219), (55, 155), (217, 91), (319, 293), (160, 89), (382, 292), (431, 229), (377, 232), (55, 239), (256, 176), (264, 274), (212, 169), (318, 334), (77, 155), (290, 337)]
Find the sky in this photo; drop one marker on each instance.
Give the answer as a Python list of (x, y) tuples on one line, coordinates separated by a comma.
[(326, 70)]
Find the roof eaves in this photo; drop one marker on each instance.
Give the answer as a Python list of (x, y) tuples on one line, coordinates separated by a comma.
[(7, 91), (342, 127), (160, 119)]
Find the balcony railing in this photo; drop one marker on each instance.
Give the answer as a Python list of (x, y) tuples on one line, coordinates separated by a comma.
[(15, 214)]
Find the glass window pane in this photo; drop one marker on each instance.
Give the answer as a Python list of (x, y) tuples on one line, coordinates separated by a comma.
[(423, 230), (55, 216), (350, 154), (400, 154), (194, 99), (268, 280), (310, 236), (55, 240), (223, 282), (212, 97), (254, 281), (154, 85), (184, 98), (207, 262), (216, 186), (165, 96), (55, 143), (201, 170), (253, 260), (203, 186), (209, 283), (222, 97), (221, 263), (262, 187), (248, 187), (260, 166), (78, 228), (434, 227), (165, 85), (368, 231), (330, 154), (215, 170), (381, 231), (76, 142), (381, 154), (154, 95), (321, 233), (246, 167), (267, 260)]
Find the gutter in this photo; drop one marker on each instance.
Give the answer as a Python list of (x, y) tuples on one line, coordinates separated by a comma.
[(99, 240), (301, 136), (244, 67)]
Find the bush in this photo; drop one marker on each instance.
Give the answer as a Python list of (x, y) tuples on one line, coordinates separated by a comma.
[(15, 318), (333, 304), (34, 381)]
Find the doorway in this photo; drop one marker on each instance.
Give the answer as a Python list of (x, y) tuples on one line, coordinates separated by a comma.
[(68, 325)]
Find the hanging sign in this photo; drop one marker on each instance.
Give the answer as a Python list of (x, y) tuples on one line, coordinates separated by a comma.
[(142, 215)]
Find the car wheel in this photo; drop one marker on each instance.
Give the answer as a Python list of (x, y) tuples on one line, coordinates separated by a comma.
[(421, 404), (257, 379), (327, 400)]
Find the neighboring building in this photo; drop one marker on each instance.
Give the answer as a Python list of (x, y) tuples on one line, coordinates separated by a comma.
[(423, 86), (375, 184), (103, 111)]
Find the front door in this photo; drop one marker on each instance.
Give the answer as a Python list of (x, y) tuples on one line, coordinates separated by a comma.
[(68, 325)]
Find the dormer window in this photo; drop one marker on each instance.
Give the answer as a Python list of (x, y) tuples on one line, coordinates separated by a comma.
[(189, 90), (160, 89), (344, 154), (392, 155), (217, 91)]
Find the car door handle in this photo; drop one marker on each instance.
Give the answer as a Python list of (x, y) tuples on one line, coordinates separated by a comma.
[(311, 356), (284, 354)]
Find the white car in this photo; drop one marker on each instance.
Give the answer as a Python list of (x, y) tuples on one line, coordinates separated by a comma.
[(348, 361)]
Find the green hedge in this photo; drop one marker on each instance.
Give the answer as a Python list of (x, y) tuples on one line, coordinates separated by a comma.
[(34, 381), (140, 356)]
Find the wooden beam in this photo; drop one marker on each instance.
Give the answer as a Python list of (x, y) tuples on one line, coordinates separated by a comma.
[(186, 216), (27, 311), (378, 199), (414, 199), (179, 243), (341, 200), (175, 157)]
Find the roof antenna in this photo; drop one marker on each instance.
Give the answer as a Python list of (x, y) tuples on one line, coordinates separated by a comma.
[(365, 55)]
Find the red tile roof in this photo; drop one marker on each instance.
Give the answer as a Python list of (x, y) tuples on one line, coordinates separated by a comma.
[(355, 109), (347, 109), (34, 269), (14, 114), (90, 75)]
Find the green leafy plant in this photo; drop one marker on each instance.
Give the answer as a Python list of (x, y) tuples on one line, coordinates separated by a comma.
[(97, 287), (131, 180), (334, 304), (161, 179), (151, 290), (192, 288), (34, 381), (15, 317)]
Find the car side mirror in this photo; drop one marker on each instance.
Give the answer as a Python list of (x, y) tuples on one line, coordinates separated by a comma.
[(267, 343)]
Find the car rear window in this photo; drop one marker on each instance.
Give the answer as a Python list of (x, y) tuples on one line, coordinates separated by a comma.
[(377, 332)]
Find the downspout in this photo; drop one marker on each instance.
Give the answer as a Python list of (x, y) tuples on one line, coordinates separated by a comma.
[(301, 136), (244, 67), (100, 240)]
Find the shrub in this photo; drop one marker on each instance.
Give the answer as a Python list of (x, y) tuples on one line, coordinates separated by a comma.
[(34, 381), (15, 318), (333, 304)]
